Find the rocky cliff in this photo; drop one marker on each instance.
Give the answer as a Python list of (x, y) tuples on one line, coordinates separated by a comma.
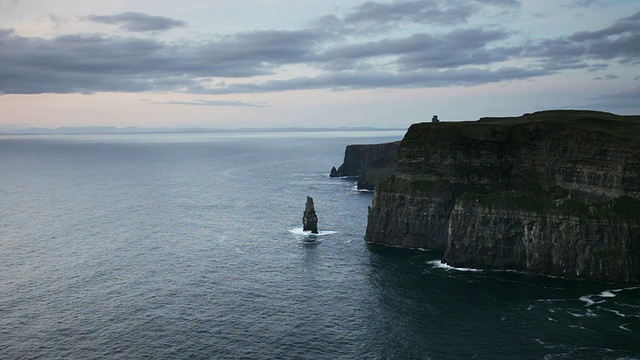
[(555, 192), (371, 163)]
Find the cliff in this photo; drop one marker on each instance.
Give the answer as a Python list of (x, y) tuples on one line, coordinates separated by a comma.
[(371, 163), (555, 192)]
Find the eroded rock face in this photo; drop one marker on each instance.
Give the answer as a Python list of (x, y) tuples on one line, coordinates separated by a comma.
[(553, 192), (370, 163), (309, 218), (568, 244)]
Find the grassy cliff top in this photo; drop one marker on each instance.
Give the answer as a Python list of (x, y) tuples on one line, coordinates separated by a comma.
[(627, 126)]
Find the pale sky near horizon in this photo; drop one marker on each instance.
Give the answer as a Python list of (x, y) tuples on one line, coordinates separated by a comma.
[(311, 63)]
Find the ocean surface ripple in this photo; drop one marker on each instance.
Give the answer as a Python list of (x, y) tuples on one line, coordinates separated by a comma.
[(189, 246)]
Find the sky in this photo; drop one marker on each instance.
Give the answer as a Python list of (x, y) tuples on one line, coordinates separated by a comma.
[(312, 63)]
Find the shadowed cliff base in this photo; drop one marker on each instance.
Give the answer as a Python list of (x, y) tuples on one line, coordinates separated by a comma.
[(554, 192)]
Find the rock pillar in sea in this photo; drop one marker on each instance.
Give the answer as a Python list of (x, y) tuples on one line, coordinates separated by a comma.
[(309, 219)]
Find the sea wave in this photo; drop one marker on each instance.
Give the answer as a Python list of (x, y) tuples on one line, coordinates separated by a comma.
[(592, 299), (356, 189), (300, 232), (440, 265)]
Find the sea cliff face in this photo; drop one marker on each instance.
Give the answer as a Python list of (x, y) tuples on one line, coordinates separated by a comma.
[(371, 163), (555, 193)]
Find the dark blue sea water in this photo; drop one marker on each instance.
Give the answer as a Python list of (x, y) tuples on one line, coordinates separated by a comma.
[(166, 246)]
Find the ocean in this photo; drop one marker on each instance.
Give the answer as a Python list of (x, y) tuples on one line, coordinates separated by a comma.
[(176, 246)]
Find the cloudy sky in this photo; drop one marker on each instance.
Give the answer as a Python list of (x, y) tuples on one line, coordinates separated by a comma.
[(266, 63)]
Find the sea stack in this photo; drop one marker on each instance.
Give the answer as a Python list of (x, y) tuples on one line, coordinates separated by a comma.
[(309, 219)]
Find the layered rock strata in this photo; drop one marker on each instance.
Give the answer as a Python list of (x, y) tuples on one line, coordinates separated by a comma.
[(371, 163), (553, 192)]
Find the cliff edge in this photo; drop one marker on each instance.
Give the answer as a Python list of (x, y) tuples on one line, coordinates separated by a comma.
[(554, 192)]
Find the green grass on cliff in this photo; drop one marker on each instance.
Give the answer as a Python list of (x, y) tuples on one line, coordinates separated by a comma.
[(580, 126), (535, 199), (627, 127), (492, 128), (557, 201), (395, 185)]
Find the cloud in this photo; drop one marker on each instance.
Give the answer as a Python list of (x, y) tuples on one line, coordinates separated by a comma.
[(598, 67), (586, 3), (377, 79), (502, 3), (421, 50), (623, 100), (619, 42), (421, 11), (137, 22), (339, 57), (94, 63), (57, 20), (621, 27), (460, 48), (373, 17), (6, 32), (213, 103), (607, 77), (417, 11)]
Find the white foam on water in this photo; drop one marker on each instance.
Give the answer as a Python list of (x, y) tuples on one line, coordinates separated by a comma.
[(300, 232), (623, 327), (549, 300), (607, 293), (545, 344), (440, 265), (355, 188), (603, 295), (575, 314), (577, 327), (587, 300), (615, 312)]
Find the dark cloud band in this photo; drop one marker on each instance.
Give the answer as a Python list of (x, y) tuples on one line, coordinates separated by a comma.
[(460, 56), (137, 22)]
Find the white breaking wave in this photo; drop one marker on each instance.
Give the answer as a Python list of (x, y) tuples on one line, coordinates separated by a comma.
[(623, 327), (616, 312), (603, 295), (355, 188), (300, 232), (587, 300), (440, 265), (607, 293)]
